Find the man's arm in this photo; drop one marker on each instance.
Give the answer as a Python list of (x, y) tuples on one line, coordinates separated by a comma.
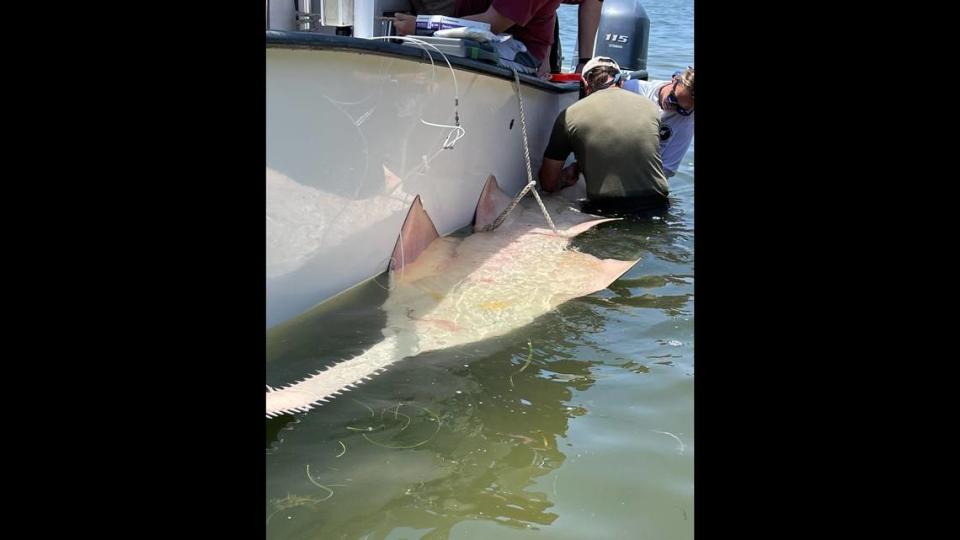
[(558, 148), (405, 24), (588, 21), (498, 23), (550, 175), (553, 178)]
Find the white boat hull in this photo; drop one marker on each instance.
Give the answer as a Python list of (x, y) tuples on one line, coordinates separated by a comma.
[(348, 151)]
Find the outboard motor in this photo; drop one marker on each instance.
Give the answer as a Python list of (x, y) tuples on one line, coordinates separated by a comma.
[(624, 35)]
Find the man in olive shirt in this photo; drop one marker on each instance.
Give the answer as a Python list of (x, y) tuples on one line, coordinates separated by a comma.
[(615, 136)]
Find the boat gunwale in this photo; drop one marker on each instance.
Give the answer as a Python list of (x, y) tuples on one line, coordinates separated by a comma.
[(278, 39)]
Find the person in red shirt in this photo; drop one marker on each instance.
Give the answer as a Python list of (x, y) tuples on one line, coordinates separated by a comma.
[(529, 21)]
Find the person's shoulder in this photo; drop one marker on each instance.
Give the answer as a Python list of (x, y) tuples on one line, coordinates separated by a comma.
[(588, 109), (644, 87), (638, 98), (632, 108)]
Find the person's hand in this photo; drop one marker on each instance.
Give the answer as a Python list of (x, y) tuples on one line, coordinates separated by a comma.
[(543, 72), (570, 175), (405, 24)]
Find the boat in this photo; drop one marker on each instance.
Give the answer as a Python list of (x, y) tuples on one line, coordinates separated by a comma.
[(361, 123)]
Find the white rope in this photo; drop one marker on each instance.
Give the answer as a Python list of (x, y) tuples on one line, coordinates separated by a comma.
[(530, 182), (457, 132)]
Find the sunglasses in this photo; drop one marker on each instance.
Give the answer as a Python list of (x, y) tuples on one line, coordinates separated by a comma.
[(672, 100)]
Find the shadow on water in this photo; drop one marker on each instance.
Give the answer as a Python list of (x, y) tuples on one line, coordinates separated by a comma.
[(348, 326)]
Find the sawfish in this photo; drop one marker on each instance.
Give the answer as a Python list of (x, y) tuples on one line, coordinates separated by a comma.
[(451, 291)]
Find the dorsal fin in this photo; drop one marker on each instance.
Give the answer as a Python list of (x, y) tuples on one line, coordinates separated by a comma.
[(492, 202), (416, 234)]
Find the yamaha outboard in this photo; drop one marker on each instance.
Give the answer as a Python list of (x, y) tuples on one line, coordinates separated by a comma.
[(624, 35)]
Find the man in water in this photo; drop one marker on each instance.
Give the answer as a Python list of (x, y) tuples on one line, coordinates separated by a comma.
[(674, 100), (615, 137)]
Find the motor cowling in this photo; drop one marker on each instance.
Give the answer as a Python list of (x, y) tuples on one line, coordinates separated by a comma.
[(624, 35)]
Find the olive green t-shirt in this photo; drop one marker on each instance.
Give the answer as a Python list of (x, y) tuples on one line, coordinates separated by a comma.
[(615, 136)]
